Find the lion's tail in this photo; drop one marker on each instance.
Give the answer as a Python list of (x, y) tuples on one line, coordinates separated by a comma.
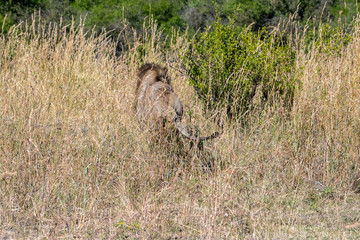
[(184, 132)]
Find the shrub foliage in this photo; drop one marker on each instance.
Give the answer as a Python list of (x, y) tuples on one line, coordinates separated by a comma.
[(328, 39), (228, 64)]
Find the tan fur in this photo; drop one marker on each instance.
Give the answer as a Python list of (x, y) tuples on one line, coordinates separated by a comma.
[(156, 102)]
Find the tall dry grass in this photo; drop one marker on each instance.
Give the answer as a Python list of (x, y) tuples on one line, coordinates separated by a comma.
[(74, 162)]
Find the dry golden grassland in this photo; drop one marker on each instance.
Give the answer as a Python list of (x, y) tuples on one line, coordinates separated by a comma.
[(74, 162)]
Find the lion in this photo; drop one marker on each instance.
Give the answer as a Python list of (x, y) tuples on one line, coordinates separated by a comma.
[(156, 102)]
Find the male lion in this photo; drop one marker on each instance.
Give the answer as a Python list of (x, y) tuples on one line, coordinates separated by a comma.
[(156, 102)]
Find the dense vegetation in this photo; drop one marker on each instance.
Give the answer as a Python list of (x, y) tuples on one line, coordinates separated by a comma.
[(196, 14), (228, 65), (74, 162)]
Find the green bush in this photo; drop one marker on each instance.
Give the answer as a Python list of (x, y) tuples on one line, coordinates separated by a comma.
[(327, 39), (228, 64)]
